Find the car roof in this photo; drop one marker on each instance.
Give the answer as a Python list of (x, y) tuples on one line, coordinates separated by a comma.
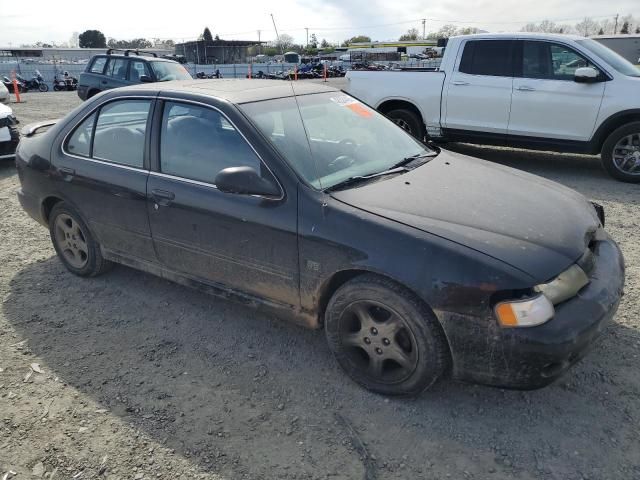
[(235, 90), (523, 35), (135, 57)]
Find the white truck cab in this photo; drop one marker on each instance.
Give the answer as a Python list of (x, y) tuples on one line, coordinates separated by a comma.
[(539, 91)]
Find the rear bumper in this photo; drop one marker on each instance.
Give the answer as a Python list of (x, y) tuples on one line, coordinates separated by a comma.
[(527, 358), (31, 205)]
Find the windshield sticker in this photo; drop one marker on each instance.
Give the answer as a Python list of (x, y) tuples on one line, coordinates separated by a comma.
[(353, 105)]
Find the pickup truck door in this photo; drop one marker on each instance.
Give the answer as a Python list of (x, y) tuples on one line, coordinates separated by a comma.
[(477, 95), (547, 102)]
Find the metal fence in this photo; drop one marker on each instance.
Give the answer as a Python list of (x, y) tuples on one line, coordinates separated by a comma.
[(238, 70)]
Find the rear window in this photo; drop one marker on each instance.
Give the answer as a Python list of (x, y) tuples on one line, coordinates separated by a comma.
[(98, 65), (488, 57)]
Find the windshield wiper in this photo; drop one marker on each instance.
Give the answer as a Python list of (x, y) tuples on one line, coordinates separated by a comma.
[(365, 178), (407, 160)]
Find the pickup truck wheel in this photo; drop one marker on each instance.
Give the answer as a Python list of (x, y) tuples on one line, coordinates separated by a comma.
[(621, 153), (74, 243), (409, 121), (384, 337)]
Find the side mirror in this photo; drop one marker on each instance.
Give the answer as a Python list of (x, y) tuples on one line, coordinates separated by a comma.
[(586, 75), (146, 79), (245, 181)]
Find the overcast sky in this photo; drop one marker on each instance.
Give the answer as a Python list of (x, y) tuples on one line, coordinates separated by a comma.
[(335, 20)]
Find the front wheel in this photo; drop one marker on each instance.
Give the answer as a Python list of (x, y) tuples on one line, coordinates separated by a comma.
[(621, 153), (384, 337), (74, 243)]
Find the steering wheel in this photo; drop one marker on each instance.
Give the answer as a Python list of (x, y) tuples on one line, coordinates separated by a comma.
[(344, 160)]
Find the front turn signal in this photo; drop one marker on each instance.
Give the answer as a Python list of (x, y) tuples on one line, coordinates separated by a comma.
[(525, 313)]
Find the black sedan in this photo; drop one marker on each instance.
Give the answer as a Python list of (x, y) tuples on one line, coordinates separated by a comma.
[(299, 199)]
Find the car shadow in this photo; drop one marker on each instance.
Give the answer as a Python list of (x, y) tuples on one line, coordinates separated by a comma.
[(237, 391)]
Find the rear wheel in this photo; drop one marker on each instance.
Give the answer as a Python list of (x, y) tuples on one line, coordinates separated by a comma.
[(43, 87), (384, 337), (74, 243), (408, 120), (621, 153)]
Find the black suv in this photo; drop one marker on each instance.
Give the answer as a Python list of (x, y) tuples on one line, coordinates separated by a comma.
[(118, 70)]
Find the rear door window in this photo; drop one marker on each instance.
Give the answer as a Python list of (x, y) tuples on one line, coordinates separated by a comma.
[(488, 57), (198, 142), (98, 65), (118, 135), (117, 68)]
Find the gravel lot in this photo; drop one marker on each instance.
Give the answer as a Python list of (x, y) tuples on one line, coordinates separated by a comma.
[(141, 378)]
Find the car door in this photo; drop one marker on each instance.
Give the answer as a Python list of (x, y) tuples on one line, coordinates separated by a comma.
[(547, 102), (478, 92), (102, 170), (116, 73), (244, 243)]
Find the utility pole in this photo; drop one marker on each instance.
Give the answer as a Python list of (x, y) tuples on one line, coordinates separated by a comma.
[(307, 29), (259, 42), (615, 29), (277, 36), (424, 23)]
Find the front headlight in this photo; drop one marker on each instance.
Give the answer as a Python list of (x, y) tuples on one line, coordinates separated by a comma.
[(525, 313), (564, 286)]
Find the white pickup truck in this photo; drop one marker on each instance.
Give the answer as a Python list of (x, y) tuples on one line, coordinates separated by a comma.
[(539, 91)]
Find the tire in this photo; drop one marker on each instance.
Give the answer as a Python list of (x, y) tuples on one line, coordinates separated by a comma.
[(613, 156), (74, 243), (43, 87), (92, 93), (408, 121), (384, 337)]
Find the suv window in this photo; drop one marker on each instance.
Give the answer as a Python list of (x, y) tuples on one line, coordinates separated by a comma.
[(488, 57), (119, 133), (117, 68), (98, 65), (552, 61), (137, 70), (198, 142)]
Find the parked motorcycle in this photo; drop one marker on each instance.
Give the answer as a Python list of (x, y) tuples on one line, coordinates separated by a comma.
[(66, 82), (22, 87), (36, 83)]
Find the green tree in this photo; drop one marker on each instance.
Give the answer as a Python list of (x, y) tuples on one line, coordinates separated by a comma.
[(638, 29), (324, 43), (313, 43), (601, 32), (356, 39), (206, 35), (92, 39), (625, 28), (412, 34)]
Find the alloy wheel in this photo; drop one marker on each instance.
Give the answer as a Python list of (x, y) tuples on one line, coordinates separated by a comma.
[(71, 240), (402, 124), (378, 341), (626, 154)]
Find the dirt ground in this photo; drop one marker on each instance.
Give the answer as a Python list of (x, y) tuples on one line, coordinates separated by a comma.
[(139, 378)]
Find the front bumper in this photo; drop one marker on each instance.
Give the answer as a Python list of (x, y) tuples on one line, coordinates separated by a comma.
[(8, 147), (533, 357)]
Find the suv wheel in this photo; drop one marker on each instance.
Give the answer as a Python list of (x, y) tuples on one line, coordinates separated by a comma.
[(74, 243), (384, 337), (409, 121), (621, 153)]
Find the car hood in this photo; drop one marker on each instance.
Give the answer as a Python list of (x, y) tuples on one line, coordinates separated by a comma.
[(533, 224)]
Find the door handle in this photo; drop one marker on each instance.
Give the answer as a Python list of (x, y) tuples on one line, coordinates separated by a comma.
[(162, 197), (525, 88), (460, 82), (67, 173)]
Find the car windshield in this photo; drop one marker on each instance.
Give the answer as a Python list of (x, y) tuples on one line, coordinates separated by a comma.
[(166, 71), (620, 64), (329, 138)]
